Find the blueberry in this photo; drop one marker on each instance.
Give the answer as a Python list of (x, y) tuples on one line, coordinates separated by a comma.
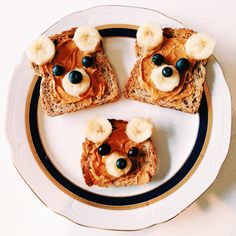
[(57, 70), (157, 59), (182, 64), (121, 163), (55, 41), (104, 149), (87, 61), (167, 71), (75, 77), (133, 152)]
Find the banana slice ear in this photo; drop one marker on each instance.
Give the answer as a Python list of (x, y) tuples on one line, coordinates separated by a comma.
[(200, 46), (98, 129), (87, 38), (138, 130), (149, 35), (41, 50)]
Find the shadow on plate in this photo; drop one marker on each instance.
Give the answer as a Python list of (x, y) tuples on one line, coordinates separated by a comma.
[(225, 181)]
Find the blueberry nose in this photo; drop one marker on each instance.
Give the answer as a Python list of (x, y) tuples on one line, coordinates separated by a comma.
[(75, 77), (167, 71)]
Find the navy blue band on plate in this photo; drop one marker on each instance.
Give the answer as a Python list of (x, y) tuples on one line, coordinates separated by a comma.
[(106, 200)]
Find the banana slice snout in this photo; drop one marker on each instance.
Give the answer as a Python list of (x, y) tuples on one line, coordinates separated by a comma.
[(87, 38), (149, 35), (98, 129), (41, 51), (111, 164), (200, 46), (138, 130), (163, 83), (76, 89)]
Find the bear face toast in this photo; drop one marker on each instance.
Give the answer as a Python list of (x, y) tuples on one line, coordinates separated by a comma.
[(118, 153), (75, 71), (170, 67)]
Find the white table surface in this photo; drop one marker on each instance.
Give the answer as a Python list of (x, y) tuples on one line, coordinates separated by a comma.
[(21, 212)]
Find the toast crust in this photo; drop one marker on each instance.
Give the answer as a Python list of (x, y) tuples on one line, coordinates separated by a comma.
[(143, 169), (194, 79), (53, 106)]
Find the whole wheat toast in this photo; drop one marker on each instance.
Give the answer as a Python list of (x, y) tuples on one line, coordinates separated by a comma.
[(195, 79), (53, 107), (144, 166)]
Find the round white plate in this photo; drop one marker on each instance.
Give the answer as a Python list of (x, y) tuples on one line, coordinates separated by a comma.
[(46, 150)]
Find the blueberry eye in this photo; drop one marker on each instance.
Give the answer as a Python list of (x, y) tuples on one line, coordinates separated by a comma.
[(57, 70), (182, 64), (104, 149), (75, 77), (157, 59), (133, 152), (87, 61), (55, 41), (121, 163), (167, 71)]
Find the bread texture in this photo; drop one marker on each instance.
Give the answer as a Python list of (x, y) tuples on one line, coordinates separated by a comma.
[(54, 107), (144, 167), (195, 79)]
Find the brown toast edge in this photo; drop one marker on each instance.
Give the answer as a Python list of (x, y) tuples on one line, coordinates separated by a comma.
[(54, 107), (143, 174), (196, 77)]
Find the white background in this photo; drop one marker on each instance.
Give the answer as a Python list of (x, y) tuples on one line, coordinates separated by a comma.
[(21, 212)]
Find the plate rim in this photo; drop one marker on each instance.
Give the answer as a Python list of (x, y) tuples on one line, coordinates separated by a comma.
[(102, 205), (11, 142)]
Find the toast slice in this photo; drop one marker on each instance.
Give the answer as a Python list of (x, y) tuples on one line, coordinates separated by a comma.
[(188, 98), (144, 165), (55, 100)]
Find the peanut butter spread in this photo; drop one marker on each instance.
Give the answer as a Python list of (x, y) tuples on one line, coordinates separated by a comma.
[(172, 49), (120, 143), (70, 57)]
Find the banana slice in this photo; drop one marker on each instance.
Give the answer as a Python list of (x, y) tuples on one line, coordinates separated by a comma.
[(111, 164), (87, 38), (98, 129), (139, 130), (79, 88), (163, 83), (200, 46), (41, 51), (149, 35)]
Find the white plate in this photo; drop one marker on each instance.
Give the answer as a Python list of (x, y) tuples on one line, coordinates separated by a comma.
[(46, 151)]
